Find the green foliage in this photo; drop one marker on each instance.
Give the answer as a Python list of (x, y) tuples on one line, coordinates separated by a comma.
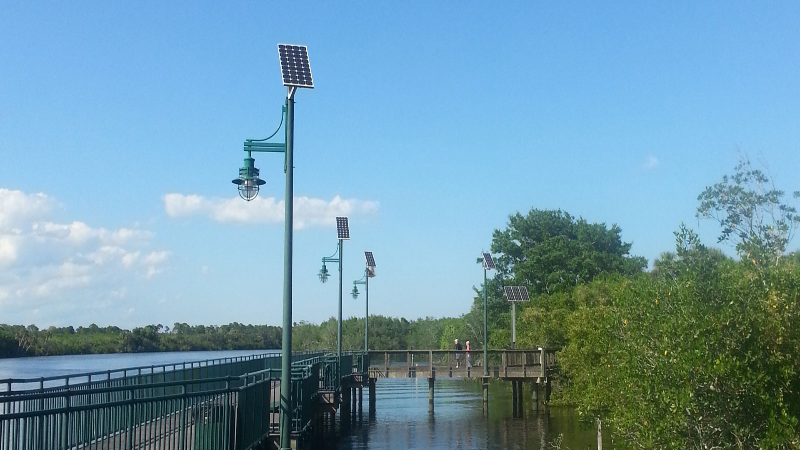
[(551, 251), (751, 213), (701, 355), (17, 340)]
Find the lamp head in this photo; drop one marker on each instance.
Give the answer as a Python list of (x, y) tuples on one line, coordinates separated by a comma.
[(355, 291), (323, 274), (248, 180)]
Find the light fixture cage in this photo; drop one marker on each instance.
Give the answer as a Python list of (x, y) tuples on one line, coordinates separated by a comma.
[(323, 274), (248, 182)]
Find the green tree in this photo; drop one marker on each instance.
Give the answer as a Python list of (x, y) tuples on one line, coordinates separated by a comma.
[(752, 214), (703, 355), (551, 251)]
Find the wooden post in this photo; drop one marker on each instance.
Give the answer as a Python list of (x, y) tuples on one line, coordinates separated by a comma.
[(514, 398), (520, 397), (547, 388), (355, 399), (431, 381), (505, 363), (599, 435), (372, 399), (536, 394)]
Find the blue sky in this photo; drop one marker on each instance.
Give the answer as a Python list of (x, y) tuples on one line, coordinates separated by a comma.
[(121, 126)]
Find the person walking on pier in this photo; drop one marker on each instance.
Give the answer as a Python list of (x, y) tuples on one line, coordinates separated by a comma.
[(458, 354), (469, 363)]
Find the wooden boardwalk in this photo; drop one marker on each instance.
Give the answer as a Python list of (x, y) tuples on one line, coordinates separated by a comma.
[(503, 364)]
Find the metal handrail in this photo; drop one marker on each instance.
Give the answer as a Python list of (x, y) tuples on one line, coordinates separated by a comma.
[(117, 374)]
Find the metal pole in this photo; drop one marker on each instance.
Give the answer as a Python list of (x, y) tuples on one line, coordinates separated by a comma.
[(485, 330), (513, 325), (339, 339), (286, 348), (366, 318)]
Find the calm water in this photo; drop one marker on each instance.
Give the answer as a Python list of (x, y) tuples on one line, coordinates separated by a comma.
[(403, 419), (45, 366)]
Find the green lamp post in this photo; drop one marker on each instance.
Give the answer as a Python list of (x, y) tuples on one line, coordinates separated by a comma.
[(343, 232), (369, 272), (296, 73), (488, 264)]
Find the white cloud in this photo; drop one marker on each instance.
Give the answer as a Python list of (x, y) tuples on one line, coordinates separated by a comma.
[(308, 212), (43, 261), (650, 163), (8, 250), (18, 208), (78, 233)]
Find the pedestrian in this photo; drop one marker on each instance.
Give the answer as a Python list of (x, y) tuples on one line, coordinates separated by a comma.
[(458, 354), (469, 363)]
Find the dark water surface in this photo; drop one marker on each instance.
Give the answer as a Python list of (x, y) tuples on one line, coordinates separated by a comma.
[(403, 420)]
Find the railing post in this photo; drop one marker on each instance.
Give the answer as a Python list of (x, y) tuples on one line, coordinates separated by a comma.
[(129, 445), (181, 430)]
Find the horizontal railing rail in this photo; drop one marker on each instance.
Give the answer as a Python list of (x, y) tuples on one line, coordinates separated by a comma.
[(501, 362), (146, 374)]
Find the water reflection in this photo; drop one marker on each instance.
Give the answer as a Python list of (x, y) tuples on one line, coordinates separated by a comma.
[(403, 420)]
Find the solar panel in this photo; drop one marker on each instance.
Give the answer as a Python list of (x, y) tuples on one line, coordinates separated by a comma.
[(295, 69), (370, 259), (488, 262), (343, 228), (517, 293), (523, 294)]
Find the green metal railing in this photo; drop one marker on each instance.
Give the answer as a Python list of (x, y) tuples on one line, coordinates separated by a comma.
[(231, 404)]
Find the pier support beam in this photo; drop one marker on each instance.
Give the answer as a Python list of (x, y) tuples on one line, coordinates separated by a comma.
[(355, 399), (514, 395), (547, 389), (485, 383), (431, 381), (536, 394), (372, 399), (519, 397)]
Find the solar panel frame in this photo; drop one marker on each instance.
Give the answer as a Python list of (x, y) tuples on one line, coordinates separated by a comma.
[(295, 66), (517, 293), (488, 262), (343, 228), (370, 259)]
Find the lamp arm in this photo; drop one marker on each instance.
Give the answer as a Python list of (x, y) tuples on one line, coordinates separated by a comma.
[(331, 258), (283, 114)]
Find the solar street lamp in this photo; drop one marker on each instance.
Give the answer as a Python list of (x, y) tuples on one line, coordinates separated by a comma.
[(515, 294), (343, 232), (323, 274), (296, 73), (488, 264), (369, 272), (248, 180)]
